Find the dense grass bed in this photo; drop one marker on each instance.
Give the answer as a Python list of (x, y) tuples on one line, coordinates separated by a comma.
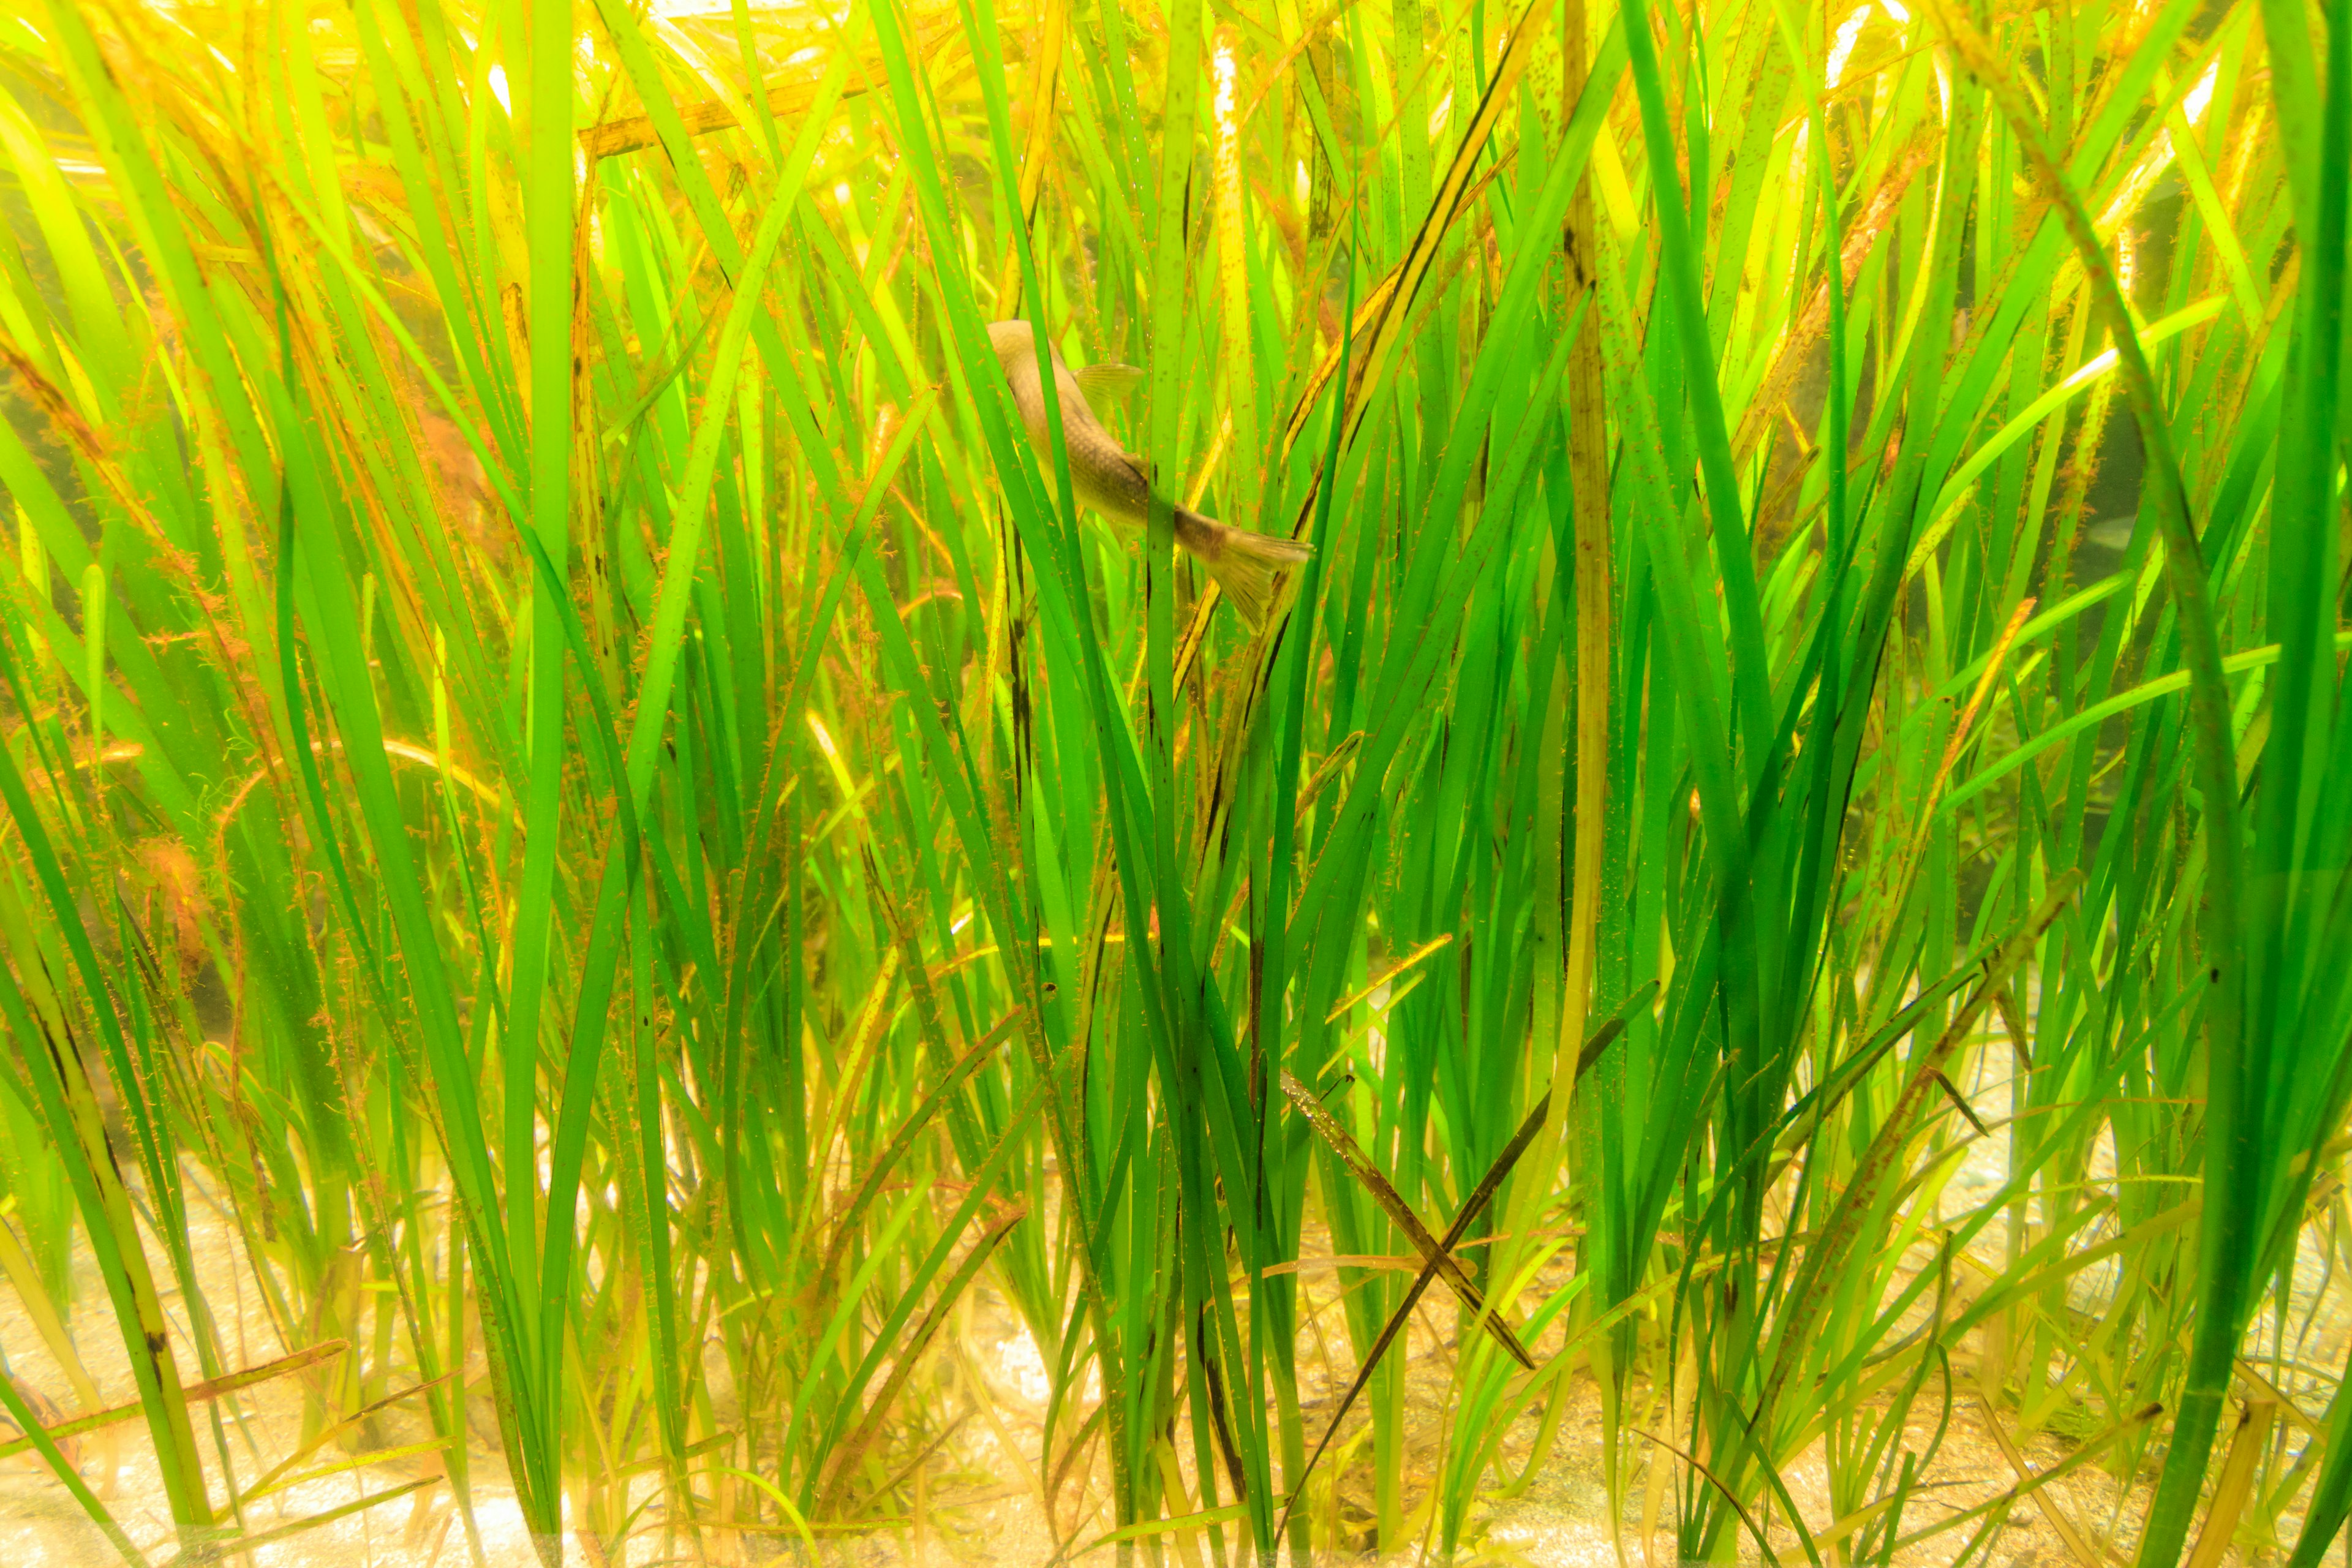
[(625, 930)]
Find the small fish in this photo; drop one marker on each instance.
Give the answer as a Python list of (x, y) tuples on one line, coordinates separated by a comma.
[(1116, 483), (2112, 532)]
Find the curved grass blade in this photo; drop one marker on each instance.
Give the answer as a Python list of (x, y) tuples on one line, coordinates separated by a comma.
[(1440, 1253)]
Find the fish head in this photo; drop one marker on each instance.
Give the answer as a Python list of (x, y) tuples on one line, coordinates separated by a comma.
[(1016, 343)]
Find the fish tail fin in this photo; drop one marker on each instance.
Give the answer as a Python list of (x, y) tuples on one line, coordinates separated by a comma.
[(1242, 564)]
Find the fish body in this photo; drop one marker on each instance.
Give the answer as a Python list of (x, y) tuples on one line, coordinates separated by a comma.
[(1118, 484)]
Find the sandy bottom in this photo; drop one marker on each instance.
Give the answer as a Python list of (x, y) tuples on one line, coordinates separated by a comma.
[(978, 1499)]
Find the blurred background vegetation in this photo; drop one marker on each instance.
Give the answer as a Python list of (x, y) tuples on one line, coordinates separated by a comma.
[(577, 792)]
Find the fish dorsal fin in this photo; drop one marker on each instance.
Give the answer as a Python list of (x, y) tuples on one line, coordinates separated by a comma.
[(1109, 380)]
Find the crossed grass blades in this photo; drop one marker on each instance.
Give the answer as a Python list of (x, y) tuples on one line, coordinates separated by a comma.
[(571, 772)]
